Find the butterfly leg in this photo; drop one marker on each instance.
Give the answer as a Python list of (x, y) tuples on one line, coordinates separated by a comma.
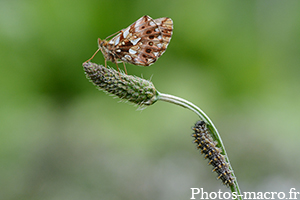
[(93, 57), (117, 67), (124, 67)]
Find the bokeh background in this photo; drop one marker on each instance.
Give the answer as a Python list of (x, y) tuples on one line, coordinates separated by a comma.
[(61, 138)]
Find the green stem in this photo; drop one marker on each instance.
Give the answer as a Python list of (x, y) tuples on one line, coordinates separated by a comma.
[(215, 134)]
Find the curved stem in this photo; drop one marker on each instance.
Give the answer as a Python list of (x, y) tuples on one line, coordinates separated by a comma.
[(215, 134)]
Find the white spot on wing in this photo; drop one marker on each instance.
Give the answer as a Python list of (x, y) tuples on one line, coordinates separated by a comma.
[(159, 37), (132, 51), (137, 60), (111, 42), (156, 30), (134, 42), (128, 56), (117, 40), (155, 53), (159, 45), (126, 32), (152, 23)]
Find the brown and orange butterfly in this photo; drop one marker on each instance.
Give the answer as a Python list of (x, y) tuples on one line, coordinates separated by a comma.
[(141, 43)]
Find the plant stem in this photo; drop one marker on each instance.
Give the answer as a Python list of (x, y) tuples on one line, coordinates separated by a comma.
[(215, 134), (143, 93)]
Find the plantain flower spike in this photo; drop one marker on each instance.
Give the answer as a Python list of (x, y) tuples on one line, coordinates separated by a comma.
[(129, 88)]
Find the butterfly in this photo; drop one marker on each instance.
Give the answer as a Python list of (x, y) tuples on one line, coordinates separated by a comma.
[(141, 43)]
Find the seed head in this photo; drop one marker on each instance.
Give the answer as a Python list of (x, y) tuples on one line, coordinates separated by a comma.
[(131, 88)]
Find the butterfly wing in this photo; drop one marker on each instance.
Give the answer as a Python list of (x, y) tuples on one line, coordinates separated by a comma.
[(166, 27), (143, 42)]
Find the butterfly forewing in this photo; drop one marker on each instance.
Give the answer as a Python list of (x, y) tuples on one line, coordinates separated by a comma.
[(142, 43), (166, 27)]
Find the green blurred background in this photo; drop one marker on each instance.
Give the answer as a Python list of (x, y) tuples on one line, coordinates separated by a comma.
[(61, 138)]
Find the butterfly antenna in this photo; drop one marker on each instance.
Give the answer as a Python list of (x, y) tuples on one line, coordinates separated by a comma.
[(112, 35)]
